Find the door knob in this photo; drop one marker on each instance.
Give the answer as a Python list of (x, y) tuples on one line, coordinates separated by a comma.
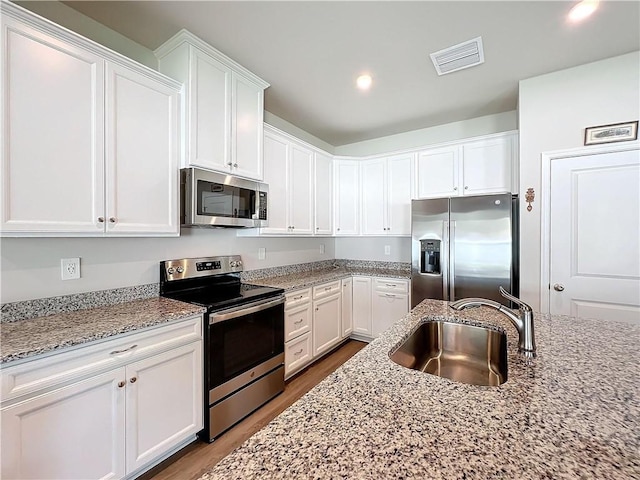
[(558, 287)]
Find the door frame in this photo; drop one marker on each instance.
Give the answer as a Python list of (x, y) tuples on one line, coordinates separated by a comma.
[(545, 205)]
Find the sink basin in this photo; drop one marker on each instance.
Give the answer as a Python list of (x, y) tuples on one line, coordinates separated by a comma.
[(460, 352)]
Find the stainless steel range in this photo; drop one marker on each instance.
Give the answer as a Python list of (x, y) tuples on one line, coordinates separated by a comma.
[(244, 337)]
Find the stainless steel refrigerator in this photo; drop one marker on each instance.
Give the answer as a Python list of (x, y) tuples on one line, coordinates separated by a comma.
[(464, 247)]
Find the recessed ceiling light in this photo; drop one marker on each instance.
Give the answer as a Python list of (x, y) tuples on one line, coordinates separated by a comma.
[(582, 10), (364, 82)]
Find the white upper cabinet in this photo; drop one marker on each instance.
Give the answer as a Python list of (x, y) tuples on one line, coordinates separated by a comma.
[(289, 174), (224, 107), (87, 135), (346, 182), (476, 167), (386, 195), (323, 194)]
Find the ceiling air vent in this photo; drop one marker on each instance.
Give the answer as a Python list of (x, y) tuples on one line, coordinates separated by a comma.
[(464, 55)]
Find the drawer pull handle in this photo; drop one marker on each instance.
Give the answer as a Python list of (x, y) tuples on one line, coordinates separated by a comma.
[(299, 352), (326, 289), (389, 295), (298, 297), (133, 379), (299, 321), (391, 285), (121, 384), (122, 351)]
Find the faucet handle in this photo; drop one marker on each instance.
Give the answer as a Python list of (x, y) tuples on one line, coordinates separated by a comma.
[(523, 306)]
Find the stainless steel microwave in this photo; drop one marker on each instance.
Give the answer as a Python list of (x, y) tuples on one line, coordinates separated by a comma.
[(210, 199)]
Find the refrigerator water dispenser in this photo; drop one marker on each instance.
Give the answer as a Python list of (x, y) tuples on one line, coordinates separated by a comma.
[(430, 256)]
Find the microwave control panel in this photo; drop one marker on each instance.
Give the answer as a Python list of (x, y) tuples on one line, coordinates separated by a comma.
[(262, 205)]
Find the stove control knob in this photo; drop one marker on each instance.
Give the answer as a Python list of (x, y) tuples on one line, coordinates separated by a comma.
[(171, 270), (180, 269), (232, 263), (239, 263)]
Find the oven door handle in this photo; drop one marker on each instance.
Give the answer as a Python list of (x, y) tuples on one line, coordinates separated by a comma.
[(244, 310)]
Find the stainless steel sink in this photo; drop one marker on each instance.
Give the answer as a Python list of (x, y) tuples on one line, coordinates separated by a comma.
[(459, 352)]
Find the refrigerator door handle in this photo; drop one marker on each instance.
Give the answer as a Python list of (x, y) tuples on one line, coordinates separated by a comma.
[(452, 261), (445, 260)]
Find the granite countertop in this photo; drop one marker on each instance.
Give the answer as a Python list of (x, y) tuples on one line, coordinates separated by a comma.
[(296, 280), (27, 338), (573, 412)]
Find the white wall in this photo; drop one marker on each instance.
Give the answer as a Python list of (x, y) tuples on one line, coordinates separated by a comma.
[(372, 248), (501, 122), (31, 266), (554, 110)]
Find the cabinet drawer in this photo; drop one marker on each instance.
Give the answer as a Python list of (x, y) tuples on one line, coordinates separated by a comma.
[(391, 285), (54, 370), (297, 321), (297, 353), (299, 297), (326, 289)]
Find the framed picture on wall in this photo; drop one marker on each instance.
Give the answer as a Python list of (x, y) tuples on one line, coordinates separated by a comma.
[(618, 132)]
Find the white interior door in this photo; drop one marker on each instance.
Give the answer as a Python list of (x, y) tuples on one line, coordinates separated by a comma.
[(595, 236)]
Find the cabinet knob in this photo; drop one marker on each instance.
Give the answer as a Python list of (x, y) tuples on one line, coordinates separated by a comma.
[(121, 384), (455, 188), (235, 165), (338, 229), (112, 219), (466, 187), (101, 219), (229, 164), (133, 379)]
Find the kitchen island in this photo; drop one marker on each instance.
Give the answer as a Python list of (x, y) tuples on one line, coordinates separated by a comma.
[(573, 412)]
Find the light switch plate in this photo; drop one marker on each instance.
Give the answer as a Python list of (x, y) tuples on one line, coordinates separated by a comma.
[(387, 249), (262, 253), (70, 268), (322, 248)]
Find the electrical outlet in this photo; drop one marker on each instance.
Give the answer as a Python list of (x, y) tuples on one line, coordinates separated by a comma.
[(322, 248), (262, 253), (70, 268), (387, 249)]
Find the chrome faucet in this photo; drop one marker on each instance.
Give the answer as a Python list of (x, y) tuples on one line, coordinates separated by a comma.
[(522, 320)]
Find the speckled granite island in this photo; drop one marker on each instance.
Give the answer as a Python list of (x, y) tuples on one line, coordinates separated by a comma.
[(574, 412)]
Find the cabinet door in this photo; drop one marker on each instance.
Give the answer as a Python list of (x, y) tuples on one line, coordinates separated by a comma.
[(323, 194), (142, 148), (246, 127), (347, 307), (486, 166), (300, 186), (52, 172), (387, 309), (399, 195), (209, 113), (362, 305), (164, 403), (347, 197), (74, 432), (374, 197), (438, 172), (276, 152), (326, 324)]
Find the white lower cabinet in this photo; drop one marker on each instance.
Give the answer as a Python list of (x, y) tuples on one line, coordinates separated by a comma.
[(377, 304), (389, 303), (362, 306), (347, 307), (103, 424), (327, 326), (298, 318)]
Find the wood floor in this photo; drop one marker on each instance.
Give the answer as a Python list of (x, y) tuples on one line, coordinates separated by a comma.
[(197, 458)]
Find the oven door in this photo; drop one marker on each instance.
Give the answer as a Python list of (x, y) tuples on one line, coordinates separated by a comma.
[(240, 339)]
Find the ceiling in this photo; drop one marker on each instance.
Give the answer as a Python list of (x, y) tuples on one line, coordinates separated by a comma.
[(312, 52)]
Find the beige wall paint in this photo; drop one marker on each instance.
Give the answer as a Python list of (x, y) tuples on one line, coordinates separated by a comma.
[(554, 110)]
